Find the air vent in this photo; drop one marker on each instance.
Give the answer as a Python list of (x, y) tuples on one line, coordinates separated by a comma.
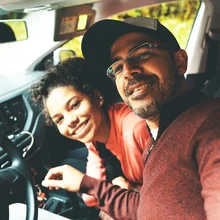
[(13, 116), (22, 141)]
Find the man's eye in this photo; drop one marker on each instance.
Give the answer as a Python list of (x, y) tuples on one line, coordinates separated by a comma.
[(144, 55), (118, 69)]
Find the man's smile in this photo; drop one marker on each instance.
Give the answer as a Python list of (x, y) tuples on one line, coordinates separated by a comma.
[(139, 88)]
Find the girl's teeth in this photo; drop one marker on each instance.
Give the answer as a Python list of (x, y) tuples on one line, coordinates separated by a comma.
[(80, 128)]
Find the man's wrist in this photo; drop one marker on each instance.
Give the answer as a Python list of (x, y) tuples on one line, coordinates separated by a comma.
[(88, 185)]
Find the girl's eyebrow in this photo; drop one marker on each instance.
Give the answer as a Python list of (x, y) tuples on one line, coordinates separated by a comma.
[(65, 104)]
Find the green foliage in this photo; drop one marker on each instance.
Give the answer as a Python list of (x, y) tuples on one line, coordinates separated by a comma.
[(177, 16), (75, 45), (19, 29)]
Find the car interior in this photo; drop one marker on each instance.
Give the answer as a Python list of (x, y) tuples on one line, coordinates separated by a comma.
[(34, 36)]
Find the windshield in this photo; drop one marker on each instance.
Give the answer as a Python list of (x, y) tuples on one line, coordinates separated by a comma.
[(21, 57)]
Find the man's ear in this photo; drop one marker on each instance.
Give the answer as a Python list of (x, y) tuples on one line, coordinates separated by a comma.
[(181, 60), (98, 97)]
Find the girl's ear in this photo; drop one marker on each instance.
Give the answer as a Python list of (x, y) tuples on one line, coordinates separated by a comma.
[(98, 97)]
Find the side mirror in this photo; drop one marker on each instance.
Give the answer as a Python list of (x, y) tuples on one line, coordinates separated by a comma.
[(13, 30), (61, 54)]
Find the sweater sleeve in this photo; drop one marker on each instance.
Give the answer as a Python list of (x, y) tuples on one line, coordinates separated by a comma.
[(94, 168), (208, 158), (119, 203)]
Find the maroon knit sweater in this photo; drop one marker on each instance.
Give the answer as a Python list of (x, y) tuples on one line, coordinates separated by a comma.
[(181, 178)]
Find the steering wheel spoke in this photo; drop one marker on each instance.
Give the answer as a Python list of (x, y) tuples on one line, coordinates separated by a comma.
[(12, 175)]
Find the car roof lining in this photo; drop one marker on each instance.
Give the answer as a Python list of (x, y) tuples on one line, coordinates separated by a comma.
[(34, 5)]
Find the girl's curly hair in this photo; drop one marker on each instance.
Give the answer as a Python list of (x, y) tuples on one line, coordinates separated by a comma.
[(77, 73)]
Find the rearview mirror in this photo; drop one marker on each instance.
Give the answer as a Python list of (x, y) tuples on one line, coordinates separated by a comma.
[(61, 54), (12, 30)]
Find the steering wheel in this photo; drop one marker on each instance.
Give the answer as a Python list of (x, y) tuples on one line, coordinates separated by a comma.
[(10, 176)]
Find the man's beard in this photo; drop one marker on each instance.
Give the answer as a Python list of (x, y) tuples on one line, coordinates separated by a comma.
[(165, 92), (147, 112)]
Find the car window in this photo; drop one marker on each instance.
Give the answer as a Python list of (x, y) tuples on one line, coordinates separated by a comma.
[(75, 45), (177, 16)]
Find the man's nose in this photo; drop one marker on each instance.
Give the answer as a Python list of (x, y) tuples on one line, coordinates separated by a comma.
[(130, 68)]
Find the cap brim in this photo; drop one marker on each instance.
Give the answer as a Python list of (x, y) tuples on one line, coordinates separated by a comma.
[(99, 38)]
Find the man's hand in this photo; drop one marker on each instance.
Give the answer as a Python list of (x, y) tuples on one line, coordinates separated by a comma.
[(64, 177)]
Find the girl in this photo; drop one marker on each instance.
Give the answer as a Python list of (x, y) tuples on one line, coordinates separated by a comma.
[(78, 99)]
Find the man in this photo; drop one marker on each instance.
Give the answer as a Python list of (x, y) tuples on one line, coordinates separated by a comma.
[(181, 178)]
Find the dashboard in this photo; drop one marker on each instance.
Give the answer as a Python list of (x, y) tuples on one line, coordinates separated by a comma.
[(20, 119)]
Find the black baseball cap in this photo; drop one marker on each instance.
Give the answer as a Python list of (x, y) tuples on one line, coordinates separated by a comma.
[(98, 39)]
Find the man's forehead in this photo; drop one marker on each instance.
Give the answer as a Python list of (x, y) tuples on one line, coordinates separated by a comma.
[(128, 41)]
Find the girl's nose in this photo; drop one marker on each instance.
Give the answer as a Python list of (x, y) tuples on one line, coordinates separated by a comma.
[(71, 120)]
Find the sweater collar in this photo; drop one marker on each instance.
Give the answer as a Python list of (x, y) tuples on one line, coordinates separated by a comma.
[(172, 109)]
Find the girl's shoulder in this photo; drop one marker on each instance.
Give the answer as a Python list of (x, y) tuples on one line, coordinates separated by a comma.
[(119, 109), (121, 114)]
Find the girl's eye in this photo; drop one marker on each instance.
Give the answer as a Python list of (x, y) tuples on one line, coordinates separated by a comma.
[(75, 105), (58, 120)]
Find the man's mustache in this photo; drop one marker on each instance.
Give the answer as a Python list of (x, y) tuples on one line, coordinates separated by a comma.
[(138, 79)]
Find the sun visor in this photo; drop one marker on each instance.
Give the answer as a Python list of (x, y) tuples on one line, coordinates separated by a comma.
[(73, 21)]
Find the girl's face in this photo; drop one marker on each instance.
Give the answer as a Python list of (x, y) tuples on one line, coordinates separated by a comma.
[(77, 115)]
